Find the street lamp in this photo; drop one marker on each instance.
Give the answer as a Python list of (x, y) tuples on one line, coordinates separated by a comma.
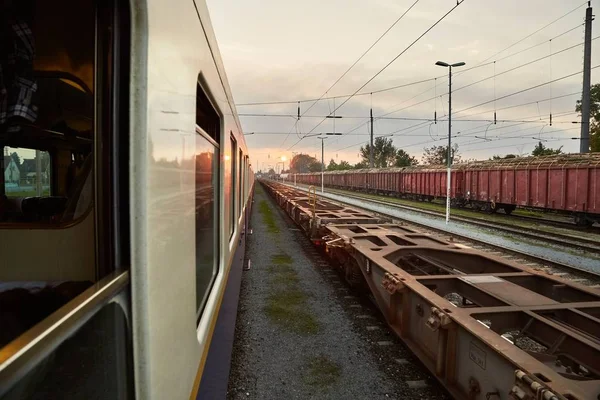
[(443, 64), (283, 158), (322, 138)]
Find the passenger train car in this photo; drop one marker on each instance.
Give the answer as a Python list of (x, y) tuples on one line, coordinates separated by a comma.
[(124, 199)]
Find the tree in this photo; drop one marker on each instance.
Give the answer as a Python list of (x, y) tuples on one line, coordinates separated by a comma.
[(301, 163), (384, 152), (271, 172), (333, 166), (497, 157), (16, 158), (403, 159), (361, 165), (594, 117), (541, 150), (438, 155), (342, 166)]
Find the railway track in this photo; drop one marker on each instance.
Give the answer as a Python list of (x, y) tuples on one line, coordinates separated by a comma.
[(569, 225), (559, 224), (483, 325), (543, 263), (580, 243)]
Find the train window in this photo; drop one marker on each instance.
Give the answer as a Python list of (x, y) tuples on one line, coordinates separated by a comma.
[(96, 355), (207, 196), (52, 58), (48, 110), (232, 186), (207, 215), (206, 117), (27, 172)]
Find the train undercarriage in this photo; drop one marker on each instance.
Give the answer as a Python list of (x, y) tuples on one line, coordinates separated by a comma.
[(485, 327)]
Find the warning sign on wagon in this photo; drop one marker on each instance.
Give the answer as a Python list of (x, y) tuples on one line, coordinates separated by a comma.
[(477, 355)]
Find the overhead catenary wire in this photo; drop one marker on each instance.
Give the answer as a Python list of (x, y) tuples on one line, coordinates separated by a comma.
[(458, 3), (363, 54), (457, 135), (524, 90), (471, 84), (462, 71), (392, 118), (533, 33), (348, 70)]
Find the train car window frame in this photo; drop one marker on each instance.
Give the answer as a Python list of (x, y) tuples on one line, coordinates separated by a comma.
[(207, 132), (232, 185), (205, 273), (241, 184), (85, 319)]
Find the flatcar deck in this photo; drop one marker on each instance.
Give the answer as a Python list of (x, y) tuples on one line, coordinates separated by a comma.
[(484, 326)]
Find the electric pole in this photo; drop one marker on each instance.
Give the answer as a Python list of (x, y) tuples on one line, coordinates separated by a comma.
[(584, 146), (371, 146)]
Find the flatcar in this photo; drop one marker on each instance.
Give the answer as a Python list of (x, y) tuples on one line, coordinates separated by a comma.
[(567, 184), (124, 198)]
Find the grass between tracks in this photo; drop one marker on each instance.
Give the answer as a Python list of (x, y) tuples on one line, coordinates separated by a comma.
[(268, 217), (321, 372), (287, 303)]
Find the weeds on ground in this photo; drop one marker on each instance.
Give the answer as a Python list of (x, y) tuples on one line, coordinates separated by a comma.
[(321, 372), (268, 217), (287, 302)]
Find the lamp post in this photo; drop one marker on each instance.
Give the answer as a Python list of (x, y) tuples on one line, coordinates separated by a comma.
[(322, 138), (443, 64), (283, 159)]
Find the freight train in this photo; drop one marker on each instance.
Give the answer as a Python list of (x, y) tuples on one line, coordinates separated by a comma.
[(567, 184), (117, 276)]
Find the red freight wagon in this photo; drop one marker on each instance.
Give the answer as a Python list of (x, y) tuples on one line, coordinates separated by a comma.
[(489, 187), (565, 183), (430, 183)]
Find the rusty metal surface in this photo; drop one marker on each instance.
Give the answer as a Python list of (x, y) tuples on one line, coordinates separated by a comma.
[(301, 206), (487, 328)]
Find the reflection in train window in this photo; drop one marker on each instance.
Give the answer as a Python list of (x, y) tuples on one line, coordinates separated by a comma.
[(47, 58), (47, 116), (27, 172), (207, 216), (91, 364)]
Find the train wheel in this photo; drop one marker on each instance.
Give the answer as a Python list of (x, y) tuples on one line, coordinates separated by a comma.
[(583, 220), (509, 209)]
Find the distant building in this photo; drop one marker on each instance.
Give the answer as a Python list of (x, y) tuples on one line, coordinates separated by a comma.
[(29, 174), (11, 172)]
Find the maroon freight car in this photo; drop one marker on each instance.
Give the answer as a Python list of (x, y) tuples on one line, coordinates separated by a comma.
[(559, 183), (565, 184)]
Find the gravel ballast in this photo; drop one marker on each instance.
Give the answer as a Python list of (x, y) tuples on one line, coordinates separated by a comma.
[(301, 333)]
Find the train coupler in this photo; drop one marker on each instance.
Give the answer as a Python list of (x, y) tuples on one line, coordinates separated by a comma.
[(528, 387), (437, 319), (391, 283)]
